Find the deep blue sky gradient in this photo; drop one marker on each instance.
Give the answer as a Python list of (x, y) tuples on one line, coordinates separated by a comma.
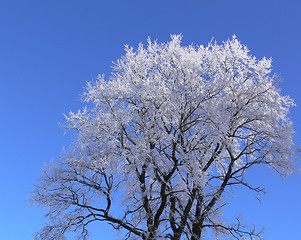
[(49, 49)]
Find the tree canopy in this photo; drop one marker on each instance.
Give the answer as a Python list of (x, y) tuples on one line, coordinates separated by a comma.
[(164, 138)]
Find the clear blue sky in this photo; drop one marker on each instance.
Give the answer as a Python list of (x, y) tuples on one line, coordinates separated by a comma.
[(49, 49)]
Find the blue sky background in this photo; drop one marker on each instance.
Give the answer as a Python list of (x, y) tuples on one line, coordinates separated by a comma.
[(49, 49)]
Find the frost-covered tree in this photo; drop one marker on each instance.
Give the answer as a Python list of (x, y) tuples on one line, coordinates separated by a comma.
[(163, 140)]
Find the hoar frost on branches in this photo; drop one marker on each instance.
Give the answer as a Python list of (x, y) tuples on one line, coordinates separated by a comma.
[(171, 130)]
